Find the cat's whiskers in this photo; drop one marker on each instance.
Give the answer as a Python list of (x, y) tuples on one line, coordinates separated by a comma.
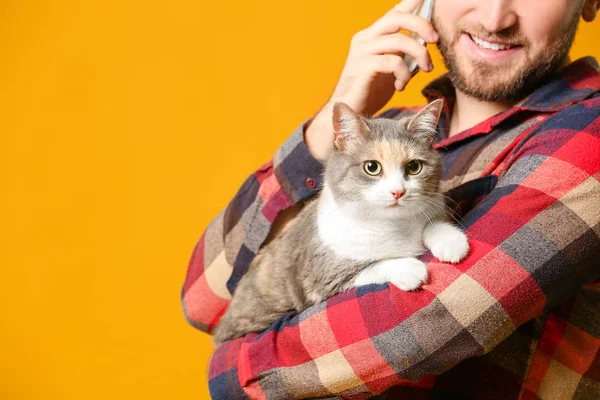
[(446, 207), (430, 217), (443, 196), (435, 204), (421, 209), (448, 211)]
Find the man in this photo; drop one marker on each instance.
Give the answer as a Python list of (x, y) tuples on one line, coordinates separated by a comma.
[(520, 139)]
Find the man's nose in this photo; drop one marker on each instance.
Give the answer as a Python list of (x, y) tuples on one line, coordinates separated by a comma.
[(496, 15)]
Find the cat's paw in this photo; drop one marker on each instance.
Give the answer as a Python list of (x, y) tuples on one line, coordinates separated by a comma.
[(446, 242), (405, 273), (408, 273)]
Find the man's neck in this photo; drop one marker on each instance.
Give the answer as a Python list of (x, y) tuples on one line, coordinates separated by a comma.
[(469, 111)]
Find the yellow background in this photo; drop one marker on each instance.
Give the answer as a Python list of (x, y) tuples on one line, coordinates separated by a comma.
[(126, 127)]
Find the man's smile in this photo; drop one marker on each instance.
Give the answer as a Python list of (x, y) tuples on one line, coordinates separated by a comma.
[(491, 52), (492, 45)]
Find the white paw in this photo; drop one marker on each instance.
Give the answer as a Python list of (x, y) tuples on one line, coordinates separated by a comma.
[(405, 273), (408, 274), (446, 242)]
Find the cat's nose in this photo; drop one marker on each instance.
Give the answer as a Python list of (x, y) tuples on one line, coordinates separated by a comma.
[(398, 193)]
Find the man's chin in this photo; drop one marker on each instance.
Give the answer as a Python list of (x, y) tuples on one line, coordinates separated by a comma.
[(489, 90), (506, 82), (489, 82)]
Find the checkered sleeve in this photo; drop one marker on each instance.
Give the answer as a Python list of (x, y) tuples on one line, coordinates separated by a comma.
[(534, 242), (228, 245)]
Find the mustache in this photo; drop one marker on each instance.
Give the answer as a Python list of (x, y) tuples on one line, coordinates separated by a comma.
[(511, 36)]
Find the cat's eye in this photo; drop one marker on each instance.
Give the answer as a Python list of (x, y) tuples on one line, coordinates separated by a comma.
[(372, 167), (414, 167)]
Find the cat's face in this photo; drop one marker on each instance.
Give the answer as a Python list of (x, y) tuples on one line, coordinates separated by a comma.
[(384, 168)]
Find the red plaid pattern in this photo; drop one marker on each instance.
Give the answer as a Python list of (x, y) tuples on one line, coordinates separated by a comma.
[(518, 318)]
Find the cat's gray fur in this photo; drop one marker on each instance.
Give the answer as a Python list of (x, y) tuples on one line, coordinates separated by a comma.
[(299, 268)]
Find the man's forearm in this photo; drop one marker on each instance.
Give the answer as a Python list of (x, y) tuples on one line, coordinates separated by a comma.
[(318, 135)]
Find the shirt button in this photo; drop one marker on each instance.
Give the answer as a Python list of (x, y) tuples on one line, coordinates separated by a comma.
[(310, 183)]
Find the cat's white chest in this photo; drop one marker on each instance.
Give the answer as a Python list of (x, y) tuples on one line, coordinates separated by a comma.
[(359, 240)]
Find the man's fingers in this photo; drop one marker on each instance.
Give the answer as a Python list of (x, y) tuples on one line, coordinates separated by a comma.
[(390, 64), (407, 6), (396, 43), (393, 22)]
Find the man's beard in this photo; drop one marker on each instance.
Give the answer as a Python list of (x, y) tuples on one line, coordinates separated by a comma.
[(483, 83)]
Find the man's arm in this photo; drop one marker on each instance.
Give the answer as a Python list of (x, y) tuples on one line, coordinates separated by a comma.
[(228, 245), (534, 242), (260, 210), (374, 70)]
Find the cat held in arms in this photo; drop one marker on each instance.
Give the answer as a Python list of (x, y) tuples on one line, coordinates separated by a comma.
[(379, 208)]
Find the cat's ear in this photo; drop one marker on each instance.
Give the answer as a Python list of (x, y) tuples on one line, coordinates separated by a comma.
[(424, 122), (347, 125)]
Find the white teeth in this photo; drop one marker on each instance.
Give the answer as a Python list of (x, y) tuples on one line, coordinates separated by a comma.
[(490, 46)]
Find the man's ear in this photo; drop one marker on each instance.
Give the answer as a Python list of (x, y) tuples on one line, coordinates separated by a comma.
[(590, 9), (347, 125)]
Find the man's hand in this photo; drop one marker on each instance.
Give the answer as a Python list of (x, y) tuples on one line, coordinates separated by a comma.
[(374, 69)]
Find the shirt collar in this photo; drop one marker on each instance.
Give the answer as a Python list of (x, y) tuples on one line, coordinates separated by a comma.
[(572, 84)]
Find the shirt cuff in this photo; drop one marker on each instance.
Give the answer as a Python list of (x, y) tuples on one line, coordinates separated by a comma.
[(299, 173)]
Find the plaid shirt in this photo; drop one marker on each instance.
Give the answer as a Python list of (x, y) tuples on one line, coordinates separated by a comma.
[(518, 318)]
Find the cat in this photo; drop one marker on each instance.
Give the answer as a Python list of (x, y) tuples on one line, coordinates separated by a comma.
[(378, 209)]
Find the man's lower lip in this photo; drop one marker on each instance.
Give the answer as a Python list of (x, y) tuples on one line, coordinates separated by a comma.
[(488, 55)]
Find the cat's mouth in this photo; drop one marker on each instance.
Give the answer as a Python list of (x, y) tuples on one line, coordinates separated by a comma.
[(394, 204), (401, 202)]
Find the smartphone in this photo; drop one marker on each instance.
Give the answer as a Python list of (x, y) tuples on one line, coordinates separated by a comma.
[(425, 10)]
